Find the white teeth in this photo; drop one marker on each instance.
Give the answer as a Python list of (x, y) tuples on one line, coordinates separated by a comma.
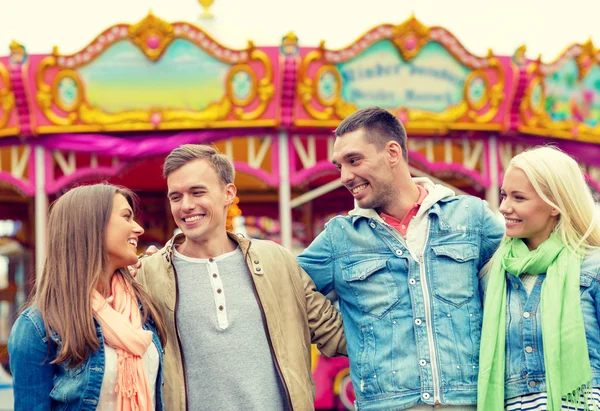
[(359, 188), (194, 218), (509, 221), (132, 242)]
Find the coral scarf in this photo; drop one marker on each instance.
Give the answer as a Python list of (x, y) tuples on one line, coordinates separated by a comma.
[(122, 329)]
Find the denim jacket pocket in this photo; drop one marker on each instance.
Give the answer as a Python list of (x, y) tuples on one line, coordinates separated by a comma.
[(67, 385), (454, 272), (372, 285)]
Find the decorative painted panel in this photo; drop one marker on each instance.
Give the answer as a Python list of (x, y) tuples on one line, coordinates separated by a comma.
[(562, 98), (156, 76), (421, 74)]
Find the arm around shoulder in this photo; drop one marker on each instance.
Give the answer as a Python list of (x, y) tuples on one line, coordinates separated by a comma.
[(318, 261), (324, 320), (492, 231), (30, 357)]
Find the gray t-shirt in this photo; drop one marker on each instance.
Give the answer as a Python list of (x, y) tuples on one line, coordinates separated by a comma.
[(227, 357)]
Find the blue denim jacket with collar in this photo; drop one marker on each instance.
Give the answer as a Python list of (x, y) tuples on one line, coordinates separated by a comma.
[(525, 371), (412, 322), (41, 386)]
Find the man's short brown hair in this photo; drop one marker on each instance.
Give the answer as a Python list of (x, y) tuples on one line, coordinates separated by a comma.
[(191, 152), (380, 127)]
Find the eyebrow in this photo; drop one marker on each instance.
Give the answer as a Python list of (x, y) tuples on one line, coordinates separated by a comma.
[(199, 187), (348, 155), (513, 192)]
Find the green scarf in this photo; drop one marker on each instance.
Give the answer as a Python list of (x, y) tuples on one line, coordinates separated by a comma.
[(566, 357)]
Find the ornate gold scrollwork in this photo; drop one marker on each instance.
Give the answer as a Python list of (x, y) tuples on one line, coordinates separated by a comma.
[(410, 37), (235, 70), (587, 59), (264, 88), (152, 35), (45, 96), (306, 87), (6, 97), (493, 95), (335, 95), (55, 90)]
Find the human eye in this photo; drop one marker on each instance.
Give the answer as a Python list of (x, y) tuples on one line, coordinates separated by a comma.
[(174, 198)]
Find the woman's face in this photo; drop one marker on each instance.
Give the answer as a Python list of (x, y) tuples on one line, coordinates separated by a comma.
[(527, 216), (122, 234)]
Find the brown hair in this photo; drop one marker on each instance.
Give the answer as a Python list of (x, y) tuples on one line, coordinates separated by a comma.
[(380, 127), (75, 261), (190, 152)]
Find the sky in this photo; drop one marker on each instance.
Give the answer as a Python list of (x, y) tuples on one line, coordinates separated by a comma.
[(545, 27)]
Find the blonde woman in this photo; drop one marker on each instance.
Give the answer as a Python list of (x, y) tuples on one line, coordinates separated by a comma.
[(540, 344), (91, 338)]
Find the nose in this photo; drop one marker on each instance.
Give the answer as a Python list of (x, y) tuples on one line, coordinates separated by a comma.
[(505, 207), (187, 203), (346, 175), (137, 228)]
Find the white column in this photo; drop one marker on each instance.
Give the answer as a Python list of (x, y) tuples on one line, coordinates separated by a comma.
[(41, 210), (492, 193), (285, 193)]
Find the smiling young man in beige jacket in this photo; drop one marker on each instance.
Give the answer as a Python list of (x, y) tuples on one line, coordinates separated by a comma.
[(241, 314)]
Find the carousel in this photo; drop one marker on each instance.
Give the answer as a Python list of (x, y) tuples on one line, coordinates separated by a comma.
[(114, 109)]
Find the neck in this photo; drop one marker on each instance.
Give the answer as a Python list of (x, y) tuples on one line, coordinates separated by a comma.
[(207, 248), (404, 195), (103, 286)]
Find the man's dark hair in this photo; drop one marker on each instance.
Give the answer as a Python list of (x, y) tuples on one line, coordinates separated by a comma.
[(380, 127)]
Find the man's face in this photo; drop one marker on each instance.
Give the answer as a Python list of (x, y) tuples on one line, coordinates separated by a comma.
[(365, 170), (199, 200)]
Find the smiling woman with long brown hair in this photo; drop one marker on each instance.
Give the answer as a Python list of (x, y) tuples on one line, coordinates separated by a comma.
[(91, 337)]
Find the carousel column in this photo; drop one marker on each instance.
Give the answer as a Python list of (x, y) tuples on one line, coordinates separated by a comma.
[(285, 193), (41, 210), (492, 193)]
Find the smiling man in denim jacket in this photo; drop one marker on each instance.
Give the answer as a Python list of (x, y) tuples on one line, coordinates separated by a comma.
[(405, 266)]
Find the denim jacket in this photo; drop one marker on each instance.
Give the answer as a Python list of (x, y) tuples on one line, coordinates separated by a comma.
[(412, 321), (525, 372), (39, 385)]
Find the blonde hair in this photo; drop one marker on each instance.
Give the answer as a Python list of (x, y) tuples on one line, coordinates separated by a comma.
[(75, 261), (559, 181)]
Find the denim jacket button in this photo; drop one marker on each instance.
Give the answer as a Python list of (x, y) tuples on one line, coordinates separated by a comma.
[(412, 281), (422, 363), (532, 384), (426, 396), (418, 321), (526, 314), (528, 349), (373, 225), (399, 253)]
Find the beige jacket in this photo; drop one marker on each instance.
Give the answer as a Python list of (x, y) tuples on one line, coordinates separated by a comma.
[(294, 314)]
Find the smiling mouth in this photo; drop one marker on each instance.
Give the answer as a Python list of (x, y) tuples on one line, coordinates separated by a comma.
[(133, 242), (193, 218), (358, 189), (511, 221)]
